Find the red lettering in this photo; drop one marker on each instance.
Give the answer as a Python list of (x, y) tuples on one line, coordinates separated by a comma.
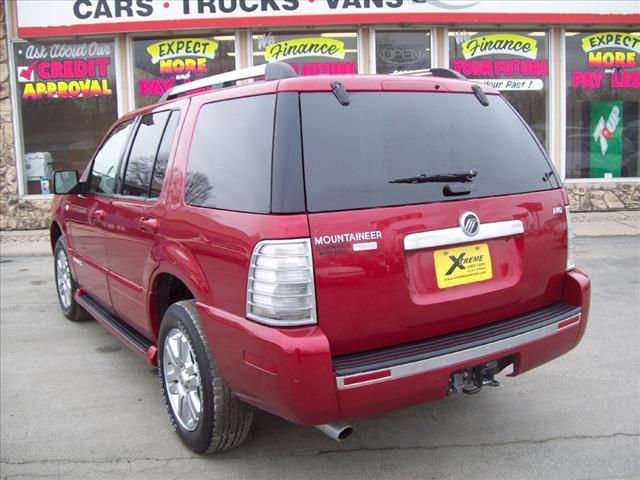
[(474, 68), (625, 79), (43, 70), (102, 64), (586, 80), (154, 87)]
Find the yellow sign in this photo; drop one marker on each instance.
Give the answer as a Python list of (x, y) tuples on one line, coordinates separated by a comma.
[(182, 47), (500, 43), (629, 41), (458, 266), (304, 47)]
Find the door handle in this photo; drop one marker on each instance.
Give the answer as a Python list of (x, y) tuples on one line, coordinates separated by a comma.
[(148, 225), (98, 215)]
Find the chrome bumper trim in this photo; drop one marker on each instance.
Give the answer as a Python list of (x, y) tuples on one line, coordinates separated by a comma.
[(453, 236), (422, 366)]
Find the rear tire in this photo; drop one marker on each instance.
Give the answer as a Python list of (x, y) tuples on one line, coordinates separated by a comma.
[(206, 415), (66, 284)]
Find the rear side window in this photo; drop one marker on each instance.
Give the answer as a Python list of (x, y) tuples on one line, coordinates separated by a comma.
[(102, 178), (137, 177), (351, 153), (230, 158)]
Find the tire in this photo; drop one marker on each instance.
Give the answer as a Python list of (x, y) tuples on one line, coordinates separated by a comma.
[(190, 377), (66, 284)]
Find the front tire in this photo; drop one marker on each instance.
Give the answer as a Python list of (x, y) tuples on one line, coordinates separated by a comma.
[(206, 415), (66, 285)]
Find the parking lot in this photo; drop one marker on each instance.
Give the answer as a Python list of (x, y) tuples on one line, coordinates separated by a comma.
[(77, 404)]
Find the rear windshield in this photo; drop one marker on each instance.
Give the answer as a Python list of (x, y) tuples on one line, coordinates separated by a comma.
[(351, 153)]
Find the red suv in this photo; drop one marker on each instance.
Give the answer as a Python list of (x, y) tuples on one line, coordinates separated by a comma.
[(322, 248)]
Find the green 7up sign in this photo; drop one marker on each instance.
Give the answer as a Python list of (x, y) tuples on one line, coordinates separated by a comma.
[(606, 139)]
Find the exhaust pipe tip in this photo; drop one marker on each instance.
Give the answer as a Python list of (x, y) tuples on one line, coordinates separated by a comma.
[(336, 431)]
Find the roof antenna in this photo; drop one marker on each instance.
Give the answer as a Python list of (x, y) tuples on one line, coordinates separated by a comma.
[(340, 93)]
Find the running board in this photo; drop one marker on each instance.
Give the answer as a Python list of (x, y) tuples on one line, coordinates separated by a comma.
[(127, 335)]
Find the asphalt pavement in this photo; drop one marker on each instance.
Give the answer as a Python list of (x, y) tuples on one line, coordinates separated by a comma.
[(75, 403)]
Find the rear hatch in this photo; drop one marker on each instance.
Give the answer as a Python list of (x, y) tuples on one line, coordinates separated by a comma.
[(392, 262)]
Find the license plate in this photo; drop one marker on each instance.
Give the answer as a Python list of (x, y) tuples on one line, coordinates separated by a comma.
[(459, 266)]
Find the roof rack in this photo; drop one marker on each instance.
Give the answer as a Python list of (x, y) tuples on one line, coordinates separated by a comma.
[(435, 72), (270, 71)]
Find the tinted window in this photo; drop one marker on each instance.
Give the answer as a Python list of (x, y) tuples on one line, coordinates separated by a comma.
[(105, 163), (162, 159), (137, 177), (351, 153), (230, 158)]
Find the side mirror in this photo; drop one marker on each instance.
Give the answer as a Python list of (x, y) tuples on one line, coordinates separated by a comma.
[(65, 182)]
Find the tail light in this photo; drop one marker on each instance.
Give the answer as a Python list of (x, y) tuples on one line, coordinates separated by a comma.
[(280, 290), (571, 253)]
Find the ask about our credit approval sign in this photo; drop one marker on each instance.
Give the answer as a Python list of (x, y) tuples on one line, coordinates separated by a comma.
[(37, 18)]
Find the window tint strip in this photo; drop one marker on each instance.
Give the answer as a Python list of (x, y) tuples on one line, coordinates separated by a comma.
[(163, 153), (143, 153)]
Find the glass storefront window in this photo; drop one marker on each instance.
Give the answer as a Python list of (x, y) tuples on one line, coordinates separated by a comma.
[(162, 63), (516, 63), (67, 100), (309, 53), (400, 51), (603, 104)]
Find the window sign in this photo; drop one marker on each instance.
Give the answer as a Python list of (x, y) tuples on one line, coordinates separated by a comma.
[(67, 102), (163, 63), (516, 63), (401, 51), (613, 51), (310, 53), (603, 104), (64, 71)]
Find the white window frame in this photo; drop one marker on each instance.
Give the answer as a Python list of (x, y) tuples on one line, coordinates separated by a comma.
[(557, 140), (131, 95), (548, 29), (391, 28), (563, 133), (16, 117), (321, 28)]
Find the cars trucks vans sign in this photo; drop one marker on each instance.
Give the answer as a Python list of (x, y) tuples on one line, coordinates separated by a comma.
[(65, 17)]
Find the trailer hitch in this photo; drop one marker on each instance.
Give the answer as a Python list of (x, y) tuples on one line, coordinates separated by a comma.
[(471, 380)]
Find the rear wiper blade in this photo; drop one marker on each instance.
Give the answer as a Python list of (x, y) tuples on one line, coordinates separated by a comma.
[(461, 176)]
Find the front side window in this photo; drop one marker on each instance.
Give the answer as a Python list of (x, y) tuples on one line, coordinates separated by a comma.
[(400, 51), (309, 53), (102, 178), (162, 63), (230, 158), (603, 104), (514, 62), (139, 169), (67, 100)]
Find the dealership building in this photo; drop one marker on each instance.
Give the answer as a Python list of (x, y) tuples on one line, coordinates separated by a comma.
[(69, 68)]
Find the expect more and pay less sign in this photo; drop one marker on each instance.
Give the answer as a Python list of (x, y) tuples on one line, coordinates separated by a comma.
[(38, 18)]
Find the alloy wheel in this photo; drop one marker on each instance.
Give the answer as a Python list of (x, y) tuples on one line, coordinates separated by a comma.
[(182, 379), (63, 279)]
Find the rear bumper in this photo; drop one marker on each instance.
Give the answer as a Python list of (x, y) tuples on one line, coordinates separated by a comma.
[(290, 372)]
